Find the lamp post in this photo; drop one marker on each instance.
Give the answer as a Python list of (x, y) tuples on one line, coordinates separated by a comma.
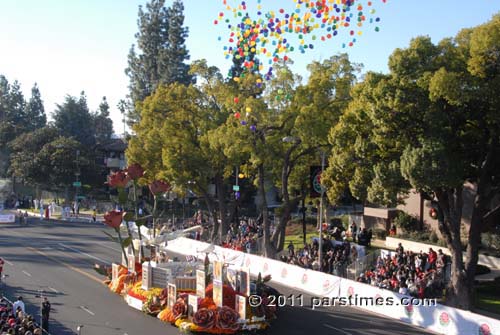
[(320, 251)]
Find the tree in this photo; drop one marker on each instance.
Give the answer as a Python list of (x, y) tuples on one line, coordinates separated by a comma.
[(162, 52), (431, 124), (73, 119), (35, 111), (103, 125), (44, 158), (172, 139), (176, 70)]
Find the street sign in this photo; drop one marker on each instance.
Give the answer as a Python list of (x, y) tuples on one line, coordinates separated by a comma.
[(236, 188), (77, 184)]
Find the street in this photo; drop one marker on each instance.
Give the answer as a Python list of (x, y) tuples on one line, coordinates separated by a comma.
[(58, 258)]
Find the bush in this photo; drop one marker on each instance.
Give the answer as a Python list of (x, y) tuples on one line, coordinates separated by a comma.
[(433, 237), (406, 222), (379, 233)]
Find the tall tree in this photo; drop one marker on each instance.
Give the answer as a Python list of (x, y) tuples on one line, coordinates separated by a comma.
[(73, 119), (13, 120), (103, 125), (35, 111), (176, 54), (160, 42)]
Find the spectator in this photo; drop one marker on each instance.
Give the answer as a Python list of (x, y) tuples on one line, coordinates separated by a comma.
[(354, 231), (18, 303)]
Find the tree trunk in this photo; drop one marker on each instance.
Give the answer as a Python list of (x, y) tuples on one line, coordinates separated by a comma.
[(223, 227), (459, 293), (269, 250), (482, 199)]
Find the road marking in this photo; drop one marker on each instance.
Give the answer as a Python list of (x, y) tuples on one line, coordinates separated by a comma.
[(105, 246), (53, 290), (83, 253), (337, 329), (69, 266), (27, 273), (10, 263), (87, 310)]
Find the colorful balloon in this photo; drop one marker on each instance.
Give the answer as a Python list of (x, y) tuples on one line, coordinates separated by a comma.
[(266, 35)]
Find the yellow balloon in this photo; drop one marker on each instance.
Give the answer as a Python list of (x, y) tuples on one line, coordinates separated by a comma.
[(248, 109), (241, 176)]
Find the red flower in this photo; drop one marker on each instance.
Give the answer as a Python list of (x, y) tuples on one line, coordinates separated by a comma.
[(204, 318), (159, 186), (113, 219), (135, 171), (118, 179), (180, 309), (227, 318)]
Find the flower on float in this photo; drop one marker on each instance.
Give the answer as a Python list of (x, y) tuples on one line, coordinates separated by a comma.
[(227, 318), (135, 171), (204, 318), (118, 179), (114, 219), (159, 186), (180, 309)]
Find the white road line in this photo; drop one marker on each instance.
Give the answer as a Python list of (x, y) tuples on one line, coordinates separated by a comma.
[(87, 310), (27, 273), (83, 253), (337, 329), (10, 263), (105, 246), (53, 290)]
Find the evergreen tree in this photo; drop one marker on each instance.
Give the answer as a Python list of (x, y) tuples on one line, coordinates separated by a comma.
[(144, 69), (35, 111), (73, 119), (161, 52), (103, 125), (176, 53)]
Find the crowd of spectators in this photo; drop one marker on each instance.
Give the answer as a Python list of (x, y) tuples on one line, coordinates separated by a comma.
[(243, 238), (336, 256), (418, 274), (14, 320)]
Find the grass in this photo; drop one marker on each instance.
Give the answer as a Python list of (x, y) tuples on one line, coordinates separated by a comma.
[(294, 234), (488, 297)]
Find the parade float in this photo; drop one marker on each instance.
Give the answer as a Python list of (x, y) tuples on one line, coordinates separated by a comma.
[(207, 297)]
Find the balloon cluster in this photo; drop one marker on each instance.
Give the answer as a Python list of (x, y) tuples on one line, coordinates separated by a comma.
[(273, 34)]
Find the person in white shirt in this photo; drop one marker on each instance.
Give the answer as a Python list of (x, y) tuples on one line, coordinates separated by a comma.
[(18, 303)]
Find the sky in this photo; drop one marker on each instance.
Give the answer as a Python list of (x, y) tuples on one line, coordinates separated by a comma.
[(82, 45)]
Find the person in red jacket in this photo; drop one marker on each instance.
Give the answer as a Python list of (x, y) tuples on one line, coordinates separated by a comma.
[(432, 259)]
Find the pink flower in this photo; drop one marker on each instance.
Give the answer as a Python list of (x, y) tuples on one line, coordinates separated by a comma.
[(113, 219)]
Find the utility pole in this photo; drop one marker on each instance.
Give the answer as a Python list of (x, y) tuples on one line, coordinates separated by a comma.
[(320, 251)]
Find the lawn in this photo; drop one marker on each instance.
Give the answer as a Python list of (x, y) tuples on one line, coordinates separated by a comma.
[(488, 296), (294, 234)]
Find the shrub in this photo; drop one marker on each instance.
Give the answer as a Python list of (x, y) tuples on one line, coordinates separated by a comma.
[(433, 237), (379, 233), (406, 222)]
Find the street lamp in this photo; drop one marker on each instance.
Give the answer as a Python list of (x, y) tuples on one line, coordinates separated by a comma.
[(320, 251)]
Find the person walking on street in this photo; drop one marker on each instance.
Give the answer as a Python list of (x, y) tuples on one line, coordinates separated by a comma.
[(45, 314)]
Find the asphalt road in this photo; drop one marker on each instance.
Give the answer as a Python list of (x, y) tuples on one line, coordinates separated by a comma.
[(58, 258)]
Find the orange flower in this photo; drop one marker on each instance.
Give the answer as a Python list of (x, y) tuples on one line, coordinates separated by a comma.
[(158, 186), (135, 171), (113, 219), (118, 179)]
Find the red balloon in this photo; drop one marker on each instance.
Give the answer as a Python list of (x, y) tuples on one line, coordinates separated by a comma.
[(237, 115), (236, 100)]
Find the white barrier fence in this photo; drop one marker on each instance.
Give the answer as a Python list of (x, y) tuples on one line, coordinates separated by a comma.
[(438, 318)]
